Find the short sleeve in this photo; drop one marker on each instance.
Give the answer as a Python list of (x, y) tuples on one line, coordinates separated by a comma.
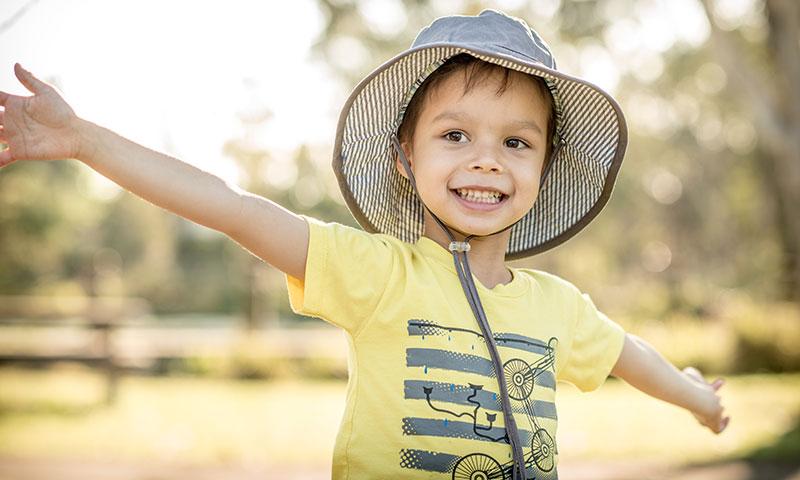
[(346, 273), (596, 346)]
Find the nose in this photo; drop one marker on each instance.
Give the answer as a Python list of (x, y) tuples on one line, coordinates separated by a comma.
[(486, 158)]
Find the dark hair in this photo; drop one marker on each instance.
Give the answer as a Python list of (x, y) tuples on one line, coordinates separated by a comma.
[(475, 70)]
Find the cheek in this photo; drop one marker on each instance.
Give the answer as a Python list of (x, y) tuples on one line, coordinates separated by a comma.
[(531, 174), (431, 171), (530, 185), (433, 188), (529, 197)]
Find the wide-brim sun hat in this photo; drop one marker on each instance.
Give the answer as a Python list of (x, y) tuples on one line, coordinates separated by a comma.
[(590, 131)]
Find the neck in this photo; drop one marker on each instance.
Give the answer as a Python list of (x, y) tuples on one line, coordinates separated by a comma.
[(486, 255)]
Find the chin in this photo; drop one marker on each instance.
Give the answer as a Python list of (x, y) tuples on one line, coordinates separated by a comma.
[(479, 230)]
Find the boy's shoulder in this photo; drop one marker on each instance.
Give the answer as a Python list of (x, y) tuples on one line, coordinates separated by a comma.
[(549, 283), (347, 231)]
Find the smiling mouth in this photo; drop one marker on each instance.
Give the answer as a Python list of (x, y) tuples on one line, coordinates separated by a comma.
[(490, 197)]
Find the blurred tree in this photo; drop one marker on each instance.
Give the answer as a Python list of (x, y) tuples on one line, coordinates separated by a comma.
[(765, 79), (45, 216), (252, 160), (144, 237), (294, 182)]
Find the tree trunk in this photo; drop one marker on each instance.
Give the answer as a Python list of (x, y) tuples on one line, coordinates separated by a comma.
[(784, 42), (772, 96)]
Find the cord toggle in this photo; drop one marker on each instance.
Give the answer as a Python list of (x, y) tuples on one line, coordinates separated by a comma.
[(459, 247)]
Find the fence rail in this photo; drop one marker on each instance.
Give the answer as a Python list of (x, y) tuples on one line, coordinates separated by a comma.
[(115, 335)]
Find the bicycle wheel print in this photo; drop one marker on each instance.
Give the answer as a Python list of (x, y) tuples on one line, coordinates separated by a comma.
[(477, 466), (519, 378), (543, 448)]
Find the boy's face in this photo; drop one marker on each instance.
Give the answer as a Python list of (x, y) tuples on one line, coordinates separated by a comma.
[(477, 158)]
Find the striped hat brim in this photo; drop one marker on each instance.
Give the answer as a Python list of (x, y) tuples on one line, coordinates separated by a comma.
[(590, 128)]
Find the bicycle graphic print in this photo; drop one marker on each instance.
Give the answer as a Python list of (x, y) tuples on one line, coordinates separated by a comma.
[(523, 378)]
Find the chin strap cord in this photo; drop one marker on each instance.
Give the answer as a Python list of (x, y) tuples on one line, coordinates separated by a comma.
[(468, 285), (459, 251)]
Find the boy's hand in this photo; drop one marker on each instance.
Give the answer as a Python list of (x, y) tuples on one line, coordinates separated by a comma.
[(710, 414), (41, 127)]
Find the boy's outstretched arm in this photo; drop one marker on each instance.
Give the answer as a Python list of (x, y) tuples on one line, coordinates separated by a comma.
[(44, 127), (645, 368)]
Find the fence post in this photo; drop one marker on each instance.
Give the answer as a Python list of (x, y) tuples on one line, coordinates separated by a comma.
[(101, 321)]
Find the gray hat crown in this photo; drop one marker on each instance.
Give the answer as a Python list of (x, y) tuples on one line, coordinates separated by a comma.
[(488, 31)]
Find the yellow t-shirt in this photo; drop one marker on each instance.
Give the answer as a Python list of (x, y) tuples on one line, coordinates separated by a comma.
[(422, 397)]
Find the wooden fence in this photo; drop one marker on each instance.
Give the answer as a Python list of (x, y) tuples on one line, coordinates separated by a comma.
[(114, 334), (99, 316)]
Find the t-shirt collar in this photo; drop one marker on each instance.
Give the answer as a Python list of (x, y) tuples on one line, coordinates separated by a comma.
[(432, 250)]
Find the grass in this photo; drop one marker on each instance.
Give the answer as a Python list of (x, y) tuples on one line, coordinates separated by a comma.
[(190, 420), (59, 414), (618, 422)]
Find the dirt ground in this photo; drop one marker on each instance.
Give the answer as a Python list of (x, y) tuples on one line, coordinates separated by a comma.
[(48, 469)]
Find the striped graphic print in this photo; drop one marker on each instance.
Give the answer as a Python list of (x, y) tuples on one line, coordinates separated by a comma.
[(468, 407), (457, 394), (588, 127)]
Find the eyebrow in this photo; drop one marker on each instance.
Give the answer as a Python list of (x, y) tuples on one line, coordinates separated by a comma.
[(521, 124), (527, 125)]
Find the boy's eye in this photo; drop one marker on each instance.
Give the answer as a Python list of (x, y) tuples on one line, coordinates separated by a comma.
[(515, 143), (455, 136)]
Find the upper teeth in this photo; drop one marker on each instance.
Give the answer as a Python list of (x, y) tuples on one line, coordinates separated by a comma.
[(479, 195)]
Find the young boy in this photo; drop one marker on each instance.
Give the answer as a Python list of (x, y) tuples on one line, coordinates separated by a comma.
[(466, 150)]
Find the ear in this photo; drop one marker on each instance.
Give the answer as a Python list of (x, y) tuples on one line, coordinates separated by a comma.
[(409, 156)]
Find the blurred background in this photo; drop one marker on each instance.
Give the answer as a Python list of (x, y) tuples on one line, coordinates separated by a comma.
[(137, 345)]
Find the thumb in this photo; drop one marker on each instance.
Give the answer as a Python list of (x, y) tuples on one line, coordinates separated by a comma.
[(33, 84), (725, 422)]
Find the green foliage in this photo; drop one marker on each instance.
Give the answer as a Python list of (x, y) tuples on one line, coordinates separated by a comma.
[(739, 336), (767, 338), (260, 367), (250, 360), (253, 366), (45, 218), (784, 448)]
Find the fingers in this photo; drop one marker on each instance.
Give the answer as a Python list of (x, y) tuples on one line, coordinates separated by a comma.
[(3, 136), (33, 84), (720, 426), (712, 419), (716, 426)]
